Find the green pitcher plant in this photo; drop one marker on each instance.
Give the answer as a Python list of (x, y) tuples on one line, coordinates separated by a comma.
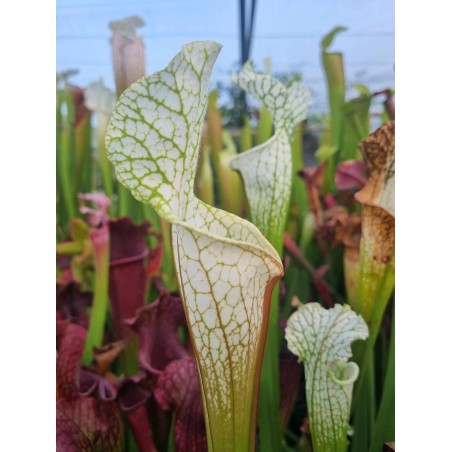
[(100, 100), (376, 277), (226, 269), (321, 339), (377, 246), (266, 171)]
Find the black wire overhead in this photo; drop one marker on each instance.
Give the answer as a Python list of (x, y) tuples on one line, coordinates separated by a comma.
[(247, 15)]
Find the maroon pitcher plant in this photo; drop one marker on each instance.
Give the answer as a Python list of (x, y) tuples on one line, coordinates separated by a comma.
[(82, 423)]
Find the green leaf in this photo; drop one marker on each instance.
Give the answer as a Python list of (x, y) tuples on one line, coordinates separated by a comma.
[(246, 137), (65, 157), (328, 39), (299, 197), (333, 67), (226, 269), (321, 339), (363, 90), (204, 187), (230, 185), (325, 153), (356, 123)]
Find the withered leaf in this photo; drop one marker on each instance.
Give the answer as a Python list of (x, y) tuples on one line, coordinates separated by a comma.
[(379, 157)]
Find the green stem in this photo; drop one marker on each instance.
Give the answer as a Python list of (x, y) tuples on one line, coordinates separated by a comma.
[(269, 422), (107, 179), (384, 429), (130, 355), (83, 152), (59, 120), (268, 416), (364, 355), (246, 138), (334, 71), (103, 162), (215, 139), (299, 192), (98, 315), (123, 201), (151, 215), (169, 276), (365, 410), (66, 156), (171, 442), (204, 186), (131, 443), (265, 127)]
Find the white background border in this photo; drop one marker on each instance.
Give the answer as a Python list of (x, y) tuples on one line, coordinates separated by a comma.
[(423, 226)]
